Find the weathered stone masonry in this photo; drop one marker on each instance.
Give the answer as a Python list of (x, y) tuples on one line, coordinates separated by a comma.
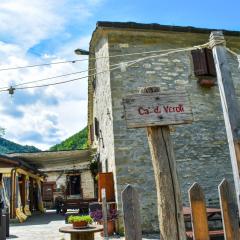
[(201, 148)]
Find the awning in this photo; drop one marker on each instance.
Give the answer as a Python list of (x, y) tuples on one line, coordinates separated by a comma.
[(55, 161)]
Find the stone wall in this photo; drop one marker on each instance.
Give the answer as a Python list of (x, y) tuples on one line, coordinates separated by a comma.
[(87, 183), (103, 109), (201, 148)]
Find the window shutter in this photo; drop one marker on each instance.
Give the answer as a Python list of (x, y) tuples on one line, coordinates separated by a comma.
[(96, 126), (210, 62), (199, 62), (91, 133)]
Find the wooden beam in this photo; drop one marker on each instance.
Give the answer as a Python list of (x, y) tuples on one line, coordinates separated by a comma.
[(198, 213), (229, 211), (131, 214), (170, 213), (155, 111), (104, 211), (231, 110)]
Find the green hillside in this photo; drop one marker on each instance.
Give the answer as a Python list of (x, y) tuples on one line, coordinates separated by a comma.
[(77, 141), (7, 146)]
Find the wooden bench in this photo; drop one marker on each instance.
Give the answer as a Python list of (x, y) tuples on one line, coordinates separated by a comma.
[(213, 214), (212, 234), (81, 204)]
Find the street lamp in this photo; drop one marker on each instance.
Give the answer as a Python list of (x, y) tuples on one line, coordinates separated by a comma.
[(79, 51)]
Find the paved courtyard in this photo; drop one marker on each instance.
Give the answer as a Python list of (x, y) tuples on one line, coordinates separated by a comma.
[(39, 227), (45, 227)]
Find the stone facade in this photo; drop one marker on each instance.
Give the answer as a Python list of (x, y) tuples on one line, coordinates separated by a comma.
[(201, 148), (87, 182)]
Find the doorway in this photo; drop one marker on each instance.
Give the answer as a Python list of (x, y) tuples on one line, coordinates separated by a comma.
[(74, 184)]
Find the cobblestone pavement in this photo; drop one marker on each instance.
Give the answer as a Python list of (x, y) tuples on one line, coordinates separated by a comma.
[(45, 227)]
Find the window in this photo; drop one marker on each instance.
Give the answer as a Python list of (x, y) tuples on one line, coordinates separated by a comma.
[(91, 133), (203, 62), (94, 82), (96, 127), (73, 184)]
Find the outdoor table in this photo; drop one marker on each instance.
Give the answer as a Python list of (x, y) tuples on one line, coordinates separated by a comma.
[(210, 212), (81, 234)]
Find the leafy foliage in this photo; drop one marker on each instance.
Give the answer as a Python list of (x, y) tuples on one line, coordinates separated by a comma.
[(86, 218), (77, 141), (7, 146)]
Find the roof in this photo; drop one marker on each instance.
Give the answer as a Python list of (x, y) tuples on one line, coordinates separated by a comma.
[(156, 26), (55, 161), (15, 162)]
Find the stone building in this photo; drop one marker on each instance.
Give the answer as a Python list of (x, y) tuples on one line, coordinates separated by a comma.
[(201, 148), (68, 175)]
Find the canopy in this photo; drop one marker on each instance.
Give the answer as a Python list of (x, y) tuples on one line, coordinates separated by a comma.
[(54, 161)]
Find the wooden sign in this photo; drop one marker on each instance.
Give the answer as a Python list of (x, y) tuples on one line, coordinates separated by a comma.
[(157, 109)]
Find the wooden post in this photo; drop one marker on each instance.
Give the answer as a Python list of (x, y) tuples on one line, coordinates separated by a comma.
[(231, 110), (13, 194), (7, 223), (131, 214), (198, 213), (3, 227), (104, 210), (156, 111), (229, 211)]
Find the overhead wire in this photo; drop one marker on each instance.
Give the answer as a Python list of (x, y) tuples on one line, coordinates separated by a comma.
[(45, 79), (86, 59), (128, 63), (43, 64), (49, 78)]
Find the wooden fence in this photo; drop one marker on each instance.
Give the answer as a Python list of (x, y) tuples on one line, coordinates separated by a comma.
[(199, 214)]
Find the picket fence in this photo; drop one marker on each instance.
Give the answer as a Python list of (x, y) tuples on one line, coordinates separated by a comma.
[(199, 218)]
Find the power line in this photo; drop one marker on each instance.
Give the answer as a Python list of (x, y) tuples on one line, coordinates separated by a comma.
[(44, 79), (86, 59), (43, 64), (56, 83), (128, 63)]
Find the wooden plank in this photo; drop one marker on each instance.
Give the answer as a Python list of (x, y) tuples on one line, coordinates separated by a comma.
[(212, 233), (231, 110), (198, 213), (131, 214), (170, 212), (105, 180), (104, 210), (229, 211), (157, 109)]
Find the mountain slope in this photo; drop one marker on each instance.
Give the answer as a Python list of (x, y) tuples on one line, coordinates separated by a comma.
[(7, 146), (76, 141)]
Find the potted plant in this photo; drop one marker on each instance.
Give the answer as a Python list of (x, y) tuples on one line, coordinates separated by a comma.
[(97, 216), (80, 221)]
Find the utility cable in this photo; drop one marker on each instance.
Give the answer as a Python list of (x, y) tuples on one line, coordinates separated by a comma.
[(49, 78), (128, 63), (45, 79), (86, 59)]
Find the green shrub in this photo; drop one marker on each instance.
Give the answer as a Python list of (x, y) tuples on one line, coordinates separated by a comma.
[(86, 218)]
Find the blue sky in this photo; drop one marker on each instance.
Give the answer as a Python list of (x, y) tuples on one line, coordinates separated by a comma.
[(38, 31)]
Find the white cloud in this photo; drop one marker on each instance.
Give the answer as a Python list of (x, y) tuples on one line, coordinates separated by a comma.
[(29, 22), (42, 116)]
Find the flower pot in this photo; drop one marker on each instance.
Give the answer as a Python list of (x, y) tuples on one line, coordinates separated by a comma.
[(110, 227), (208, 83), (80, 224)]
